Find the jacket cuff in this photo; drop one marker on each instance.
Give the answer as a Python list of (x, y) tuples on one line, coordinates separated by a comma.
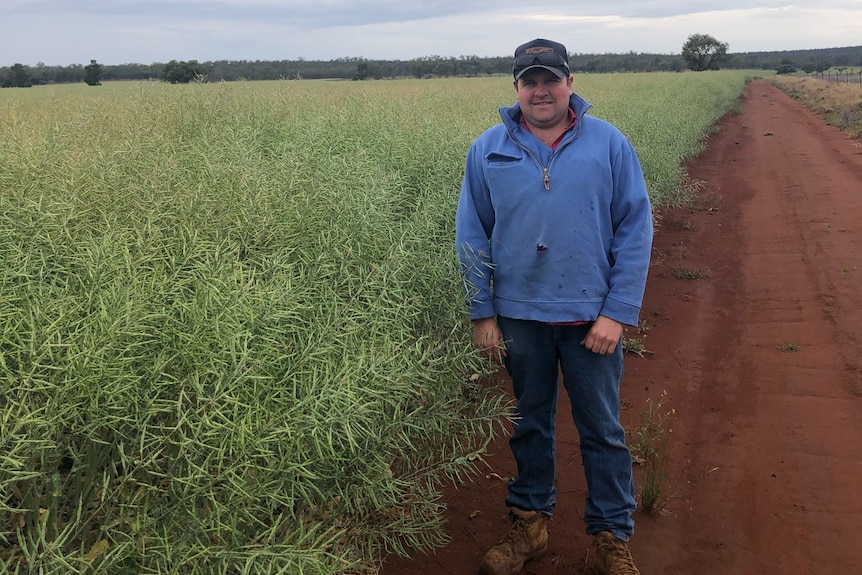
[(481, 310), (622, 312)]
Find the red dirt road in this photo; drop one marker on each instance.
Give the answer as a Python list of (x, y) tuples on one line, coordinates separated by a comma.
[(766, 456)]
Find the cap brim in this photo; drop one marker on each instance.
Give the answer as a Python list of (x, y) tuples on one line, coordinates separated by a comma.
[(558, 72)]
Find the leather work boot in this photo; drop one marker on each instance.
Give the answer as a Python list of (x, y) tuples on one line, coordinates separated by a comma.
[(612, 556), (526, 539)]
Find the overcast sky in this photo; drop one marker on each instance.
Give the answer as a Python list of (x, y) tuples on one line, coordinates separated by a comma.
[(63, 32)]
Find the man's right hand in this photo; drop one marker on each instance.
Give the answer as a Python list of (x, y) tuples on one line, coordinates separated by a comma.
[(488, 339)]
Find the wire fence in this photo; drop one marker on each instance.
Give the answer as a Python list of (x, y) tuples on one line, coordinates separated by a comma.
[(840, 77)]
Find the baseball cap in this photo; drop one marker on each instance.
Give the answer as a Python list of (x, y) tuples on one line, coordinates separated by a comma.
[(541, 53)]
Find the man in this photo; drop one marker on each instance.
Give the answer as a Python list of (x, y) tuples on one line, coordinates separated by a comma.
[(554, 232)]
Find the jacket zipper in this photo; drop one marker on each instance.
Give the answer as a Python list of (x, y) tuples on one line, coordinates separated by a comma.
[(546, 176)]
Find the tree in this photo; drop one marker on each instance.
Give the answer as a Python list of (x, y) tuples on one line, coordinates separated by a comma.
[(818, 66), (361, 71), (703, 52), (19, 77), (182, 72), (93, 74), (786, 67)]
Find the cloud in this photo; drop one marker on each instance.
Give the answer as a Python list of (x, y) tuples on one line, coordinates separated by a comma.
[(336, 13), (146, 31)]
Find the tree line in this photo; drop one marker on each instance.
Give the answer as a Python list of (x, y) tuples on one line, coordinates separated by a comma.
[(707, 53)]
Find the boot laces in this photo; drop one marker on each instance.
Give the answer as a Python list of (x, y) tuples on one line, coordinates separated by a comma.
[(519, 533), (619, 558)]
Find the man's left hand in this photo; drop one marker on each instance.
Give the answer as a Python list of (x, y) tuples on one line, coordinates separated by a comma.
[(604, 336)]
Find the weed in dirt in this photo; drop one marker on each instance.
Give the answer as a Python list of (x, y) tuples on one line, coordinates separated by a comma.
[(706, 203), (635, 345), (789, 347), (650, 449), (690, 274), (847, 119)]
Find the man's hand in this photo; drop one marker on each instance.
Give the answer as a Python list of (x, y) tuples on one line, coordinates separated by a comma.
[(604, 335), (488, 339)]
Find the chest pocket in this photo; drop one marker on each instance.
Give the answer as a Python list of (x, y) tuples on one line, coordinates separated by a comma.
[(501, 160), (506, 173)]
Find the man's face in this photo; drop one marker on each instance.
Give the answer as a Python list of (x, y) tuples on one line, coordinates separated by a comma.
[(544, 98)]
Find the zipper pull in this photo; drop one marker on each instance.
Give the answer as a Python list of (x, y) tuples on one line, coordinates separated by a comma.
[(547, 179)]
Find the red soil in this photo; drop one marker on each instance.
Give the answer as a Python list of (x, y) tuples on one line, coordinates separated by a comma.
[(766, 443)]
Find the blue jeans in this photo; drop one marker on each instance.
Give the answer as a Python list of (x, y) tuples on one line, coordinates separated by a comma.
[(536, 352)]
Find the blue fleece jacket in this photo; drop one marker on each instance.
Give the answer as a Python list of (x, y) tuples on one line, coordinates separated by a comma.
[(554, 235)]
